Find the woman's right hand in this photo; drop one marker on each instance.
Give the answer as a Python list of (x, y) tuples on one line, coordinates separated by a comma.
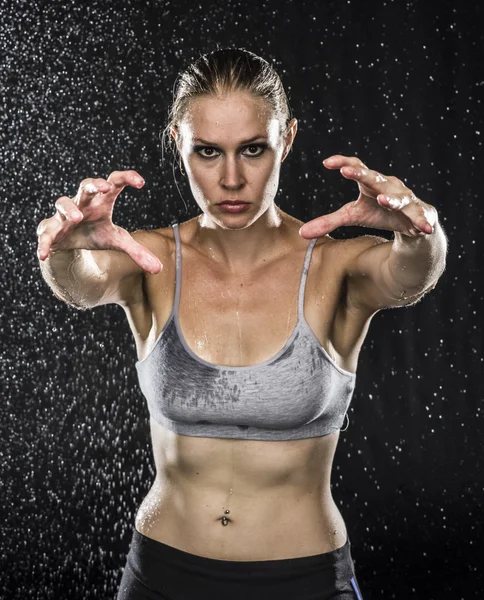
[(85, 221)]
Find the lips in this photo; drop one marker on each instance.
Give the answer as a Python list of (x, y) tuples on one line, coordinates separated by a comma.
[(232, 202)]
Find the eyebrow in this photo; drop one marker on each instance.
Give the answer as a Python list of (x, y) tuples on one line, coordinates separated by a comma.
[(243, 143)]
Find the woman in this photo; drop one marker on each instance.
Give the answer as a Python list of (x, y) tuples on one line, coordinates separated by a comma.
[(247, 336)]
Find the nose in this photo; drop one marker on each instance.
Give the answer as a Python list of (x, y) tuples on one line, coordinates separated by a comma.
[(232, 174)]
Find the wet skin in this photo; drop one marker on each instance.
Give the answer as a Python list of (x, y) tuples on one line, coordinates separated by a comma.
[(229, 498), (278, 493)]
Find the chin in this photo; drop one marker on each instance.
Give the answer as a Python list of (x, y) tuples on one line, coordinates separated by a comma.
[(234, 224), (231, 221)]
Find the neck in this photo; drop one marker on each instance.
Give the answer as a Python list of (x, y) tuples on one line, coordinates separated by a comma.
[(240, 250)]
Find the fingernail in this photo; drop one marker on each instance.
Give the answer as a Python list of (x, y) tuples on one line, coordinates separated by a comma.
[(139, 180), (328, 160)]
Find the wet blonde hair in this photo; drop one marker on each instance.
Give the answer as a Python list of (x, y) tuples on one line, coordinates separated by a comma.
[(221, 71)]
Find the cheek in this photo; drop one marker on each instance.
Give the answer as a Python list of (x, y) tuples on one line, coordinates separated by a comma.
[(265, 169), (202, 174), (270, 172)]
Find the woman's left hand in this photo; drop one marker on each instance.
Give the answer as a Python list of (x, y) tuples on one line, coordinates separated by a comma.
[(384, 203)]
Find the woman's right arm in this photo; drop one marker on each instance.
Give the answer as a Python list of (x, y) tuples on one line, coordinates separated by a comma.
[(87, 260)]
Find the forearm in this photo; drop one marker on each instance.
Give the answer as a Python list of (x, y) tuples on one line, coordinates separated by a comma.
[(74, 277), (416, 263)]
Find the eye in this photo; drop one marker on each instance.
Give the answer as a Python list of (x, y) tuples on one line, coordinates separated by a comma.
[(209, 152), (259, 148), (252, 151)]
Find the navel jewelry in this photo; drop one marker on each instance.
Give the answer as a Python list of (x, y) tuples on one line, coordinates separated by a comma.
[(225, 521)]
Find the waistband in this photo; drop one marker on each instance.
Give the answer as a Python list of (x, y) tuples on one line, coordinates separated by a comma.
[(177, 558)]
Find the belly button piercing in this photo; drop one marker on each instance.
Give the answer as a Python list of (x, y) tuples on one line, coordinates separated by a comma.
[(225, 521)]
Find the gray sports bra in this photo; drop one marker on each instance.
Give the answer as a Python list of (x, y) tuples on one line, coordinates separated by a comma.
[(298, 393)]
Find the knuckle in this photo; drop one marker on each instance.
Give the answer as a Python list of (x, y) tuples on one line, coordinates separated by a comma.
[(41, 227), (116, 178), (61, 202)]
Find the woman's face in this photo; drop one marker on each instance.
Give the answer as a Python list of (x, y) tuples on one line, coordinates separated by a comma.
[(232, 149)]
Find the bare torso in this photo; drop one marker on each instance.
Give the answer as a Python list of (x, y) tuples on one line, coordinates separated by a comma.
[(278, 494)]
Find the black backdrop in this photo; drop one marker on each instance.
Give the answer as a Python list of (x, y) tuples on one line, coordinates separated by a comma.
[(85, 90)]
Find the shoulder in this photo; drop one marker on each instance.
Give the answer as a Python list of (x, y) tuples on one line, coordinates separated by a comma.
[(344, 253), (352, 247), (350, 250), (159, 240), (158, 235), (352, 263)]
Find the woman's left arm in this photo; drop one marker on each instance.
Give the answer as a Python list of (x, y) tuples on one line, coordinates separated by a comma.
[(382, 273)]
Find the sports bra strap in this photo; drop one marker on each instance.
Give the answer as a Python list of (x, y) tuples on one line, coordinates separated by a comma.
[(178, 267), (304, 277)]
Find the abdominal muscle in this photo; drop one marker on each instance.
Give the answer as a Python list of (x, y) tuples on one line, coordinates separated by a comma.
[(277, 495)]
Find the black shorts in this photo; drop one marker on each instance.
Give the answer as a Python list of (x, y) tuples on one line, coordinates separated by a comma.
[(155, 571)]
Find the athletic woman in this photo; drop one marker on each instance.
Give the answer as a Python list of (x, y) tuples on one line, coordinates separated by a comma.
[(248, 325)]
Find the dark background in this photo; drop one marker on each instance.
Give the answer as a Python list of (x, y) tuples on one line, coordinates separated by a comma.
[(85, 90)]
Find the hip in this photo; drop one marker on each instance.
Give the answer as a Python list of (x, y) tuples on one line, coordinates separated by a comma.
[(160, 572), (243, 530)]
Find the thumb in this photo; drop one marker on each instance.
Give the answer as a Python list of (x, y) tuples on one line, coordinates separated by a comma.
[(327, 223), (143, 257)]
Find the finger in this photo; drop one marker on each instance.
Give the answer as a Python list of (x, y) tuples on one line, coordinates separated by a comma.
[(414, 232), (89, 188), (373, 180), (120, 179), (394, 202), (47, 232), (68, 209), (140, 254), (327, 223), (419, 217), (337, 161)]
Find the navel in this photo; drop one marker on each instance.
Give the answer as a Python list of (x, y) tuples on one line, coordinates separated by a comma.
[(225, 520)]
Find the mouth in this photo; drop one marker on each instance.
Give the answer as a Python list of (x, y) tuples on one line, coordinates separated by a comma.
[(233, 202)]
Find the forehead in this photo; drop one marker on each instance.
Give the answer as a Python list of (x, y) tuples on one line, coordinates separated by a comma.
[(231, 117)]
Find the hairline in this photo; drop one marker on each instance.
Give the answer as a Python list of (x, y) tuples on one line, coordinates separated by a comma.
[(222, 92)]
